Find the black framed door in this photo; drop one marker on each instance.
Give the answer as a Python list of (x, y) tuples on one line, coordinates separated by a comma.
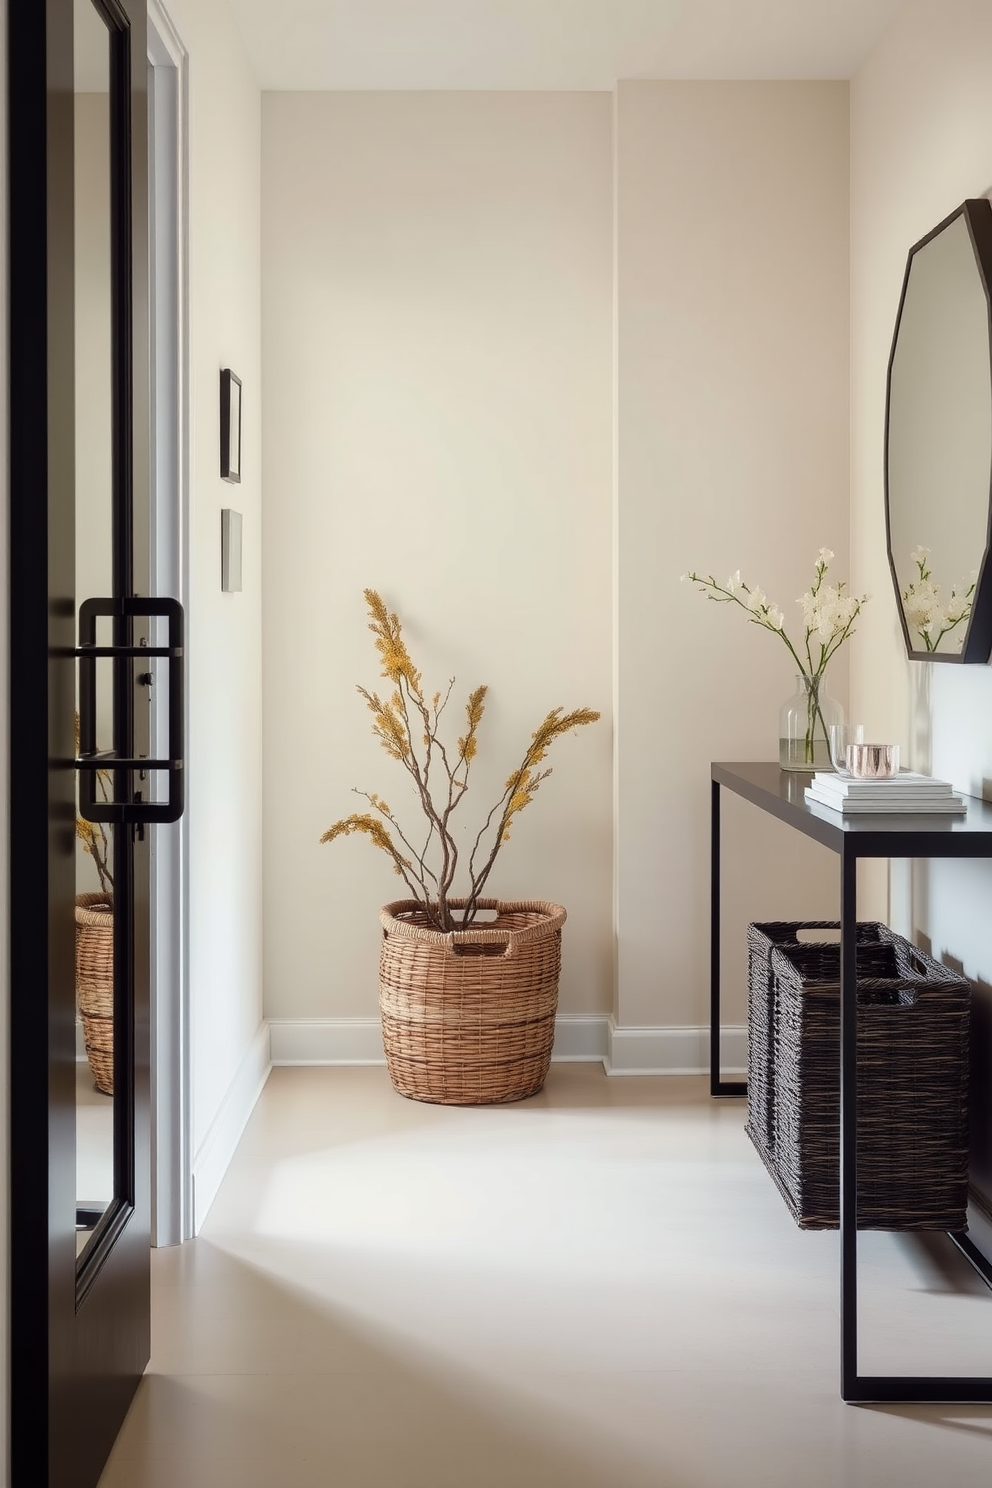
[(81, 781)]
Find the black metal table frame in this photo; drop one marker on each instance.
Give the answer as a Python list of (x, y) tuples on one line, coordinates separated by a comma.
[(781, 794)]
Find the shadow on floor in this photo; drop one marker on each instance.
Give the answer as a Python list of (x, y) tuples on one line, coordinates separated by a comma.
[(941, 1267), (267, 1388)]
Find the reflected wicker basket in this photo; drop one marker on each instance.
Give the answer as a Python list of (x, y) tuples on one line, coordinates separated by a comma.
[(95, 983), (468, 1017)]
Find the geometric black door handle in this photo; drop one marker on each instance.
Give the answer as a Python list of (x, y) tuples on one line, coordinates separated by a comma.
[(89, 760)]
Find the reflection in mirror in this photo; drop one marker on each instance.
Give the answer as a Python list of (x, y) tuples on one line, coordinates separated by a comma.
[(939, 440), (94, 482)]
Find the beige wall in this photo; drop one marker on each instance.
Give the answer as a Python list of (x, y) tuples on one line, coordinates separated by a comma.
[(224, 630), (921, 142), (732, 305), (437, 343)]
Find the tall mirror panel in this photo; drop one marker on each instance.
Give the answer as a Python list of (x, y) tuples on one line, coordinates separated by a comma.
[(94, 354), (938, 455)]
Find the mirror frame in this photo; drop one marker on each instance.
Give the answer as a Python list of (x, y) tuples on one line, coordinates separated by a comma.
[(977, 212)]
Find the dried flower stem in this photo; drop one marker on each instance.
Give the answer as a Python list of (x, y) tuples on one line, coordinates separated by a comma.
[(407, 725), (93, 835)]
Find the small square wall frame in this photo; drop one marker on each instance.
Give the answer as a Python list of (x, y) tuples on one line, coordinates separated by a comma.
[(230, 426), (230, 551)]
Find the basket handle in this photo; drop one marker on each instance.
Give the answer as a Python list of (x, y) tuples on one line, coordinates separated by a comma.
[(546, 919), (481, 936)]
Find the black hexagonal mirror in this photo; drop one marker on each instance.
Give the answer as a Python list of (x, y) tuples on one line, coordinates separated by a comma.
[(938, 441)]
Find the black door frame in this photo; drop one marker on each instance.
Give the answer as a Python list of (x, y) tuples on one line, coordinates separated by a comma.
[(79, 1342)]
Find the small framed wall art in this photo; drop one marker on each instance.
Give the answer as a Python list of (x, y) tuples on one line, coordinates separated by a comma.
[(230, 426), (230, 551)]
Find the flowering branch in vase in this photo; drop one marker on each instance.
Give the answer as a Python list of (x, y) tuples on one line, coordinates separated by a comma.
[(829, 614), (931, 617)]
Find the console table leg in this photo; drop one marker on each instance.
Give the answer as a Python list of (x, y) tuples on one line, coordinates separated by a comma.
[(848, 1127), (714, 938), (718, 1086)]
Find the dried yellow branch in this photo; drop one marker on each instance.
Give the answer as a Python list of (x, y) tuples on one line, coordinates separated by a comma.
[(393, 726)]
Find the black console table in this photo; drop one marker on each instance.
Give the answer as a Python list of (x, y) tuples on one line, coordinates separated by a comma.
[(781, 793)]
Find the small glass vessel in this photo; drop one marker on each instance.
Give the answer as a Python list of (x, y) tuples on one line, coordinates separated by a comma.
[(804, 723), (841, 735)]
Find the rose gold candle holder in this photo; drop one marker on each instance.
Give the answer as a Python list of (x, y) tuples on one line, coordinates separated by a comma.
[(873, 761)]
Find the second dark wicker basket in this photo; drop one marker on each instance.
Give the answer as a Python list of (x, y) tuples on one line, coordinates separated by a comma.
[(912, 1042)]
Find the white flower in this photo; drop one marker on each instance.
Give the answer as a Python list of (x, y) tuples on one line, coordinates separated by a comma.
[(829, 624), (918, 608), (829, 611), (920, 554)]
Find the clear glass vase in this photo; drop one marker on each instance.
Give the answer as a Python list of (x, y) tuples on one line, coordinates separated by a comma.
[(804, 726)]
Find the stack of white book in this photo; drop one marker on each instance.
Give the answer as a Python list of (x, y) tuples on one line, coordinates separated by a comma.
[(905, 793)]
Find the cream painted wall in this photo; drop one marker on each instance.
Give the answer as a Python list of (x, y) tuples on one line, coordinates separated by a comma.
[(224, 630), (921, 141), (732, 439), (437, 425)]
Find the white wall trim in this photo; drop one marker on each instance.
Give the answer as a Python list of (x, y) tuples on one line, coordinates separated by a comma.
[(172, 1190), (214, 1154), (165, 44), (580, 1038), (326, 1041), (673, 1051), (622, 1051)]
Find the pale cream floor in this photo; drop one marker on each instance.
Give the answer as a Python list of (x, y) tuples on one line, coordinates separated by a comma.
[(597, 1288)]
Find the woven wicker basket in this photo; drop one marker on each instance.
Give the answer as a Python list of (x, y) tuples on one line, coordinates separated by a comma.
[(95, 983), (912, 1052), (468, 1018), (761, 941)]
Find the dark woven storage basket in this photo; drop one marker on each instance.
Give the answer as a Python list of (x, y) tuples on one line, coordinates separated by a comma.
[(761, 940), (912, 1044), (468, 1017)]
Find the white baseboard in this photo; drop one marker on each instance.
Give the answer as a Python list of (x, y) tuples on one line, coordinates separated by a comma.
[(326, 1041), (581, 1037), (622, 1051), (673, 1051), (214, 1154)]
